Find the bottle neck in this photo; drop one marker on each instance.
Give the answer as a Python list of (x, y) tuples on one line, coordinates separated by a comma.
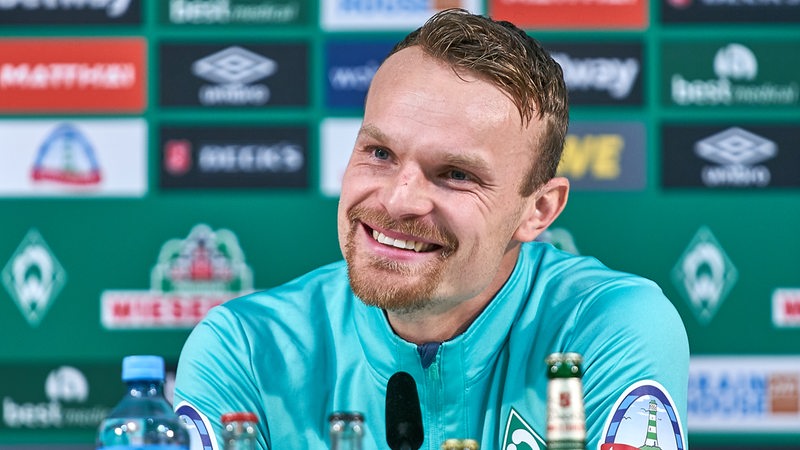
[(146, 388)]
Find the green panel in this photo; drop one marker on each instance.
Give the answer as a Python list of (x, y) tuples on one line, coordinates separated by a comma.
[(235, 13), (726, 72)]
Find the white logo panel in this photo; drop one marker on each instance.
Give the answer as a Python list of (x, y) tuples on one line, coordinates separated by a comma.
[(76, 158), (337, 137), (386, 15)]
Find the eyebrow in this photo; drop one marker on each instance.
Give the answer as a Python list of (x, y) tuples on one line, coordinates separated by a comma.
[(472, 162), (373, 132)]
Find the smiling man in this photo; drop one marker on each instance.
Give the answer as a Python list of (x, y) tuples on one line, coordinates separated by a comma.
[(451, 179)]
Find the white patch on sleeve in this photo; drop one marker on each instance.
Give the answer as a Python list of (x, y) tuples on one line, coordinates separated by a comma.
[(201, 433), (644, 416)]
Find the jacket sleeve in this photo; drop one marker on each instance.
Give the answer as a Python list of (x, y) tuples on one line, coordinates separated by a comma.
[(636, 367)]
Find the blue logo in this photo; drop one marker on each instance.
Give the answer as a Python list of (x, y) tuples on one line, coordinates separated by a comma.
[(349, 68), (644, 417), (198, 426), (66, 156)]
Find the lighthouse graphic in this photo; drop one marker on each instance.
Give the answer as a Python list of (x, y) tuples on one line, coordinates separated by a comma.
[(637, 414), (651, 440), (66, 156)]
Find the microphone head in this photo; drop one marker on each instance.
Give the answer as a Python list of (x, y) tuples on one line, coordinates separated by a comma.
[(403, 414)]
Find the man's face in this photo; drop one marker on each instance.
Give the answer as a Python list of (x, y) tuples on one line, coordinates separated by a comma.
[(430, 204)]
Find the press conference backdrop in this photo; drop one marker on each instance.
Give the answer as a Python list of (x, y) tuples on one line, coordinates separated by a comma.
[(158, 158)]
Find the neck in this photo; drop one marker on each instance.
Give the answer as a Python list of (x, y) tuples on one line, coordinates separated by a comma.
[(420, 327)]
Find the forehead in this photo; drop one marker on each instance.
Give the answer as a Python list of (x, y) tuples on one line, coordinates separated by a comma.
[(411, 75), (418, 99)]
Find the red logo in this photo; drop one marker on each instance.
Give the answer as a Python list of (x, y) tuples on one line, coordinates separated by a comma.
[(786, 307), (680, 4), (73, 75), (580, 14), (178, 156), (615, 446), (564, 400)]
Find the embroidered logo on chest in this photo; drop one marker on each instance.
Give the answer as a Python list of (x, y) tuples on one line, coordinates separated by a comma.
[(519, 435)]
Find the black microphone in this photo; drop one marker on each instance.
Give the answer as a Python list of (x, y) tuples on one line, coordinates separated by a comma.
[(403, 415)]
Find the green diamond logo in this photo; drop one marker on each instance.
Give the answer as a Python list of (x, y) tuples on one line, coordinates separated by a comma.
[(33, 277), (704, 275), (519, 435)]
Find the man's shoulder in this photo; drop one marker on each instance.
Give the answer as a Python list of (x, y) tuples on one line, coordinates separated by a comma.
[(580, 272), (300, 310), (568, 284)]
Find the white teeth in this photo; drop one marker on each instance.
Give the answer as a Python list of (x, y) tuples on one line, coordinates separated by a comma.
[(399, 243)]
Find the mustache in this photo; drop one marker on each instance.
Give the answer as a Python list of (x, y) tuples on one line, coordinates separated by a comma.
[(413, 227)]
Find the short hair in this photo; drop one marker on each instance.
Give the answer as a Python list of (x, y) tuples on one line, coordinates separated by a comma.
[(506, 56)]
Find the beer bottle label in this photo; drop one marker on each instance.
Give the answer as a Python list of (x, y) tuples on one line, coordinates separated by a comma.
[(565, 414)]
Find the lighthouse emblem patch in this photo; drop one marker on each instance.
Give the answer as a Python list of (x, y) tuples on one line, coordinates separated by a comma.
[(644, 418)]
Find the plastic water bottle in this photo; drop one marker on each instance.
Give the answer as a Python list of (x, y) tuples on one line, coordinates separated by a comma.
[(143, 419)]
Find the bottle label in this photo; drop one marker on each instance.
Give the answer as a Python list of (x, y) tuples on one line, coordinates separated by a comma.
[(566, 419)]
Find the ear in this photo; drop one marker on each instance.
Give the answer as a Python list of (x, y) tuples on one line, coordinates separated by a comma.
[(545, 206)]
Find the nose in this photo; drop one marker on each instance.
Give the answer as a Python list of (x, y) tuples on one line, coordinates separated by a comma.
[(407, 194)]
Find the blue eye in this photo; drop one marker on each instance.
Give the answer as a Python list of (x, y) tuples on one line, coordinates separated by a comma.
[(458, 175), (381, 153)]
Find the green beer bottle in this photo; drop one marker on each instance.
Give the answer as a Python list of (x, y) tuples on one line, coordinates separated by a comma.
[(566, 419)]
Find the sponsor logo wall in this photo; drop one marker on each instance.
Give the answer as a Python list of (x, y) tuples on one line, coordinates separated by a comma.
[(234, 12), (740, 72), (73, 75), (243, 75), (568, 14), (79, 12), (608, 73), (605, 156), (74, 157), (158, 158), (744, 156), (234, 157), (729, 11), (756, 394)]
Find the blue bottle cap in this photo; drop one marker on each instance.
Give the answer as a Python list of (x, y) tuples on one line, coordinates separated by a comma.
[(142, 367)]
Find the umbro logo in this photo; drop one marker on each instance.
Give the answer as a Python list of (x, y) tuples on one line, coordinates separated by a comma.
[(234, 65), (737, 154), (736, 146)]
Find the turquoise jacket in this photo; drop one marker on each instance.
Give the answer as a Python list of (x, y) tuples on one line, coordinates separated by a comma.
[(298, 352)]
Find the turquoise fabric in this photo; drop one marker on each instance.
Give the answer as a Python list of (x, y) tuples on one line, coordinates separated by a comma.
[(295, 353)]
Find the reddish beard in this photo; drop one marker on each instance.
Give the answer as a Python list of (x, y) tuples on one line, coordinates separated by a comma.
[(388, 283)]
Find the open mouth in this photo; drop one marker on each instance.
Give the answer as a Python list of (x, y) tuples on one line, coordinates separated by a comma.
[(416, 246)]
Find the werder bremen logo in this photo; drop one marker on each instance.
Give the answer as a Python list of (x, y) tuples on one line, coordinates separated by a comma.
[(519, 435), (704, 275), (33, 277)]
